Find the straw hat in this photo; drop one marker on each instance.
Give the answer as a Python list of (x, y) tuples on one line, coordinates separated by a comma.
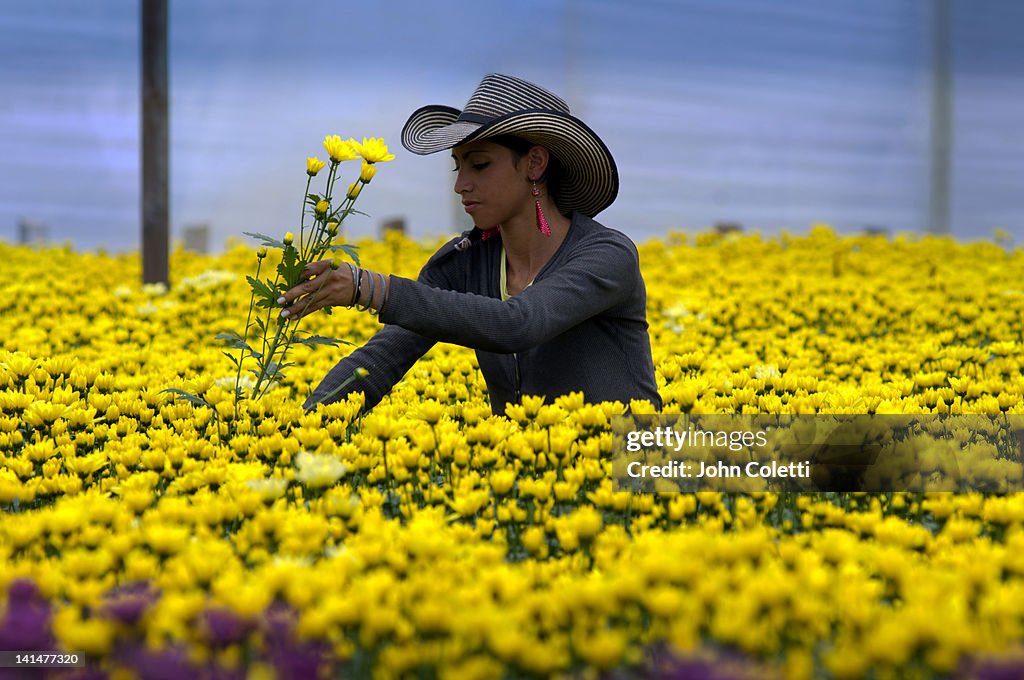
[(506, 105)]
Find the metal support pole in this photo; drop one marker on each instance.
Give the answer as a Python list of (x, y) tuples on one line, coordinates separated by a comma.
[(154, 134), (942, 120)]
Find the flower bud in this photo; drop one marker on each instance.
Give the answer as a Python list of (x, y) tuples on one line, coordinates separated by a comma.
[(314, 165), (321, 207), (335, 262), (262, 252), (367, 172), (289, 238), (332, 228), (353, 190), (361, 372)]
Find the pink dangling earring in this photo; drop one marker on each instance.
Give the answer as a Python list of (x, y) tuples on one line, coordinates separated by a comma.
[(542, 222)]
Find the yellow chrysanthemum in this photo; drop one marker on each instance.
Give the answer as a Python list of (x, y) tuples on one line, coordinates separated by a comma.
[(511, 537), (339, 149), (374, 150)]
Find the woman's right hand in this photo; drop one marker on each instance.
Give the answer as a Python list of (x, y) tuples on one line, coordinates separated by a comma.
[(327, 285)]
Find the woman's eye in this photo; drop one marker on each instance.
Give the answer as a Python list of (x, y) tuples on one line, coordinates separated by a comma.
[(475, 166)]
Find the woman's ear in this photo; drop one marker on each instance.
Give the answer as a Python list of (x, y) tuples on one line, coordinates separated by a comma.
[(537, 163)]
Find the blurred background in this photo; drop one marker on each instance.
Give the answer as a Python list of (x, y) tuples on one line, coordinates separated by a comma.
[(897, 115)]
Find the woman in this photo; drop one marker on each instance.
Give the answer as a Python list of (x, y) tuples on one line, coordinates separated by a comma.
[(551, 301)]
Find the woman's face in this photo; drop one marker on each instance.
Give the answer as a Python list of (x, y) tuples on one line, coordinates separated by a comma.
[(493, 185)]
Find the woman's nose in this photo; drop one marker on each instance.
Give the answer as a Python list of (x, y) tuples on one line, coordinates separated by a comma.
[(461, 184)]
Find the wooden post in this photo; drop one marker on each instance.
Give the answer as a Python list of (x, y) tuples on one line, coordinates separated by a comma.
[(32, 232), (197, 238), (392, 224), (153, 143), (941, 184)]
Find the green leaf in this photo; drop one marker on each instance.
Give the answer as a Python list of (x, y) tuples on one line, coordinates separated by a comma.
[(182, 395), (232, 357), (314, 340), (340, 213), (267, 240), (290, 268), (349, 249), (274, 371), (233, 340), (264, 290)]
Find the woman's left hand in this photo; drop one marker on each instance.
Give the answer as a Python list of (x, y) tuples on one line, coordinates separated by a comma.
[(331, 287)]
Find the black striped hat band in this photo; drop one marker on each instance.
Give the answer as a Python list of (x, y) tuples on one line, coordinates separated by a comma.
[(506, 105)]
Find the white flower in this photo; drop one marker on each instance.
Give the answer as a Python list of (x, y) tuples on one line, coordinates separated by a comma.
[(154, 289), (316, 470), (208, 279), (269, 489), (677, 311), (246, 382), (676, 314)]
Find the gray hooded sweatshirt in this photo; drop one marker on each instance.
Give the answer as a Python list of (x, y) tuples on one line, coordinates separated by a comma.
[(580, 327)]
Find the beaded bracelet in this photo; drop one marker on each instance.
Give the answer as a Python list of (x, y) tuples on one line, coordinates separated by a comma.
[(359, 286)]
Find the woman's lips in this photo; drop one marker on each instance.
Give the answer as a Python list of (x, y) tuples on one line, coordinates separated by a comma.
[(470, 206)]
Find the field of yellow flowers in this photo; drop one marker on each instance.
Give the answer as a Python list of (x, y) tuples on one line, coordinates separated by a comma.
[(428, 538)]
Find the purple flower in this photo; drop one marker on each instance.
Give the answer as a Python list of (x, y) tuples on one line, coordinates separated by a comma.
[(705, 664), (26, 624), (23, 589), (291, 657), (224, 627), (1011, 668), (278, 620), (129, 602), (222, 673), (77, 674), (299, 659), (170, 663)]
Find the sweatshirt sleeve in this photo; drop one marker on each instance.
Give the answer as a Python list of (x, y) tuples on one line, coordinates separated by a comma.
[(598, 275), (389, 354)]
